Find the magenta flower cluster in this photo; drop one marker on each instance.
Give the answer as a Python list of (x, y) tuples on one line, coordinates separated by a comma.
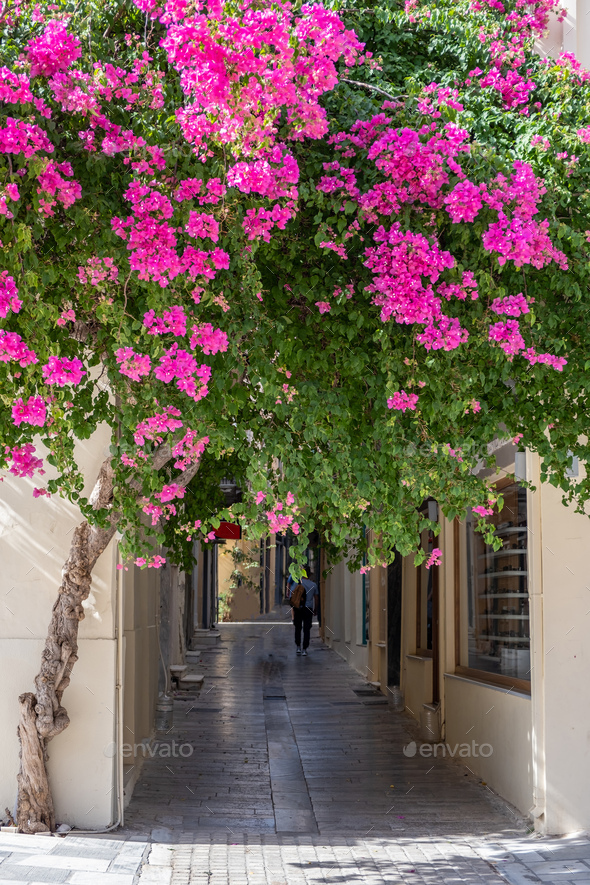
[(402, 401)]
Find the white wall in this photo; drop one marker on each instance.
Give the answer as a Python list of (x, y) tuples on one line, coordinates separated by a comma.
[(566, 660), (34, 543), (561, 693), (491, 715), (572, 34), (342, 616), (416, 683)]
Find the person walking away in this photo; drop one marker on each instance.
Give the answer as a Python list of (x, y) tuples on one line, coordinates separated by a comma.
[(304, 600)]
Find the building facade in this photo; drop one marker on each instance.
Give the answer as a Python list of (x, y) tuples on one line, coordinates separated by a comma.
[(490, 648), (113, 690)]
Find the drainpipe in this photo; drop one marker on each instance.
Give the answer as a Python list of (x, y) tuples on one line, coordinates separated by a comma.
[(535, 559), (119, 638), (364, 591)]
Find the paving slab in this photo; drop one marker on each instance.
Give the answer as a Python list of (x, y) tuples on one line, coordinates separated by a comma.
[(101, 859)]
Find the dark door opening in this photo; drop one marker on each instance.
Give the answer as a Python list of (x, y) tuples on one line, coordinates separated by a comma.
[(394, 620), (279, 568)]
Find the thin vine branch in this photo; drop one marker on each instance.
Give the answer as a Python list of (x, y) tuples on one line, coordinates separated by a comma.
[(370, 86)]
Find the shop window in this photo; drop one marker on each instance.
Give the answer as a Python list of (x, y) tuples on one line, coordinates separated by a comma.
[(493, 596)]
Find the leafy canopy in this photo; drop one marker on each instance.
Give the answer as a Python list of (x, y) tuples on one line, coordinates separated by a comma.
[(335, 272)]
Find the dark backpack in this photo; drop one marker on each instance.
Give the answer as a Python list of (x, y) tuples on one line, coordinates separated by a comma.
[(297, 598)]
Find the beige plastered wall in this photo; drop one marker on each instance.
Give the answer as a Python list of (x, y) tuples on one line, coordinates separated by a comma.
[(416, 669), (377, 663), (141, 669), (472, 712), (570, 35), (495, 724), (342, 617), (562, 664), (34, 542)]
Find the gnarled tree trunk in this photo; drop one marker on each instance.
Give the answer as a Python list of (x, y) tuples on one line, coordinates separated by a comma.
[(42, 715)]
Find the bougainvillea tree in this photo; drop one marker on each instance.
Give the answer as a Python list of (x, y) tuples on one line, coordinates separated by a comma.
[(331, 254)]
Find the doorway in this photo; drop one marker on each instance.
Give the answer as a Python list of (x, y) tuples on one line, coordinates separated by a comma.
[(394, 620)]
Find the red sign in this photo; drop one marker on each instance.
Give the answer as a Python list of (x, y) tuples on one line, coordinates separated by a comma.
[(228, 531)]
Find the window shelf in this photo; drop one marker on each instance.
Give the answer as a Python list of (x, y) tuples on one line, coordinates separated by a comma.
[(521, 639), (514, 551), (511, 530), (508, 573)]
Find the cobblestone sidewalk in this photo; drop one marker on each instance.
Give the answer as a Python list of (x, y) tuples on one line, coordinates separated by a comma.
[(79, 860), (423, 860), (292, 860)]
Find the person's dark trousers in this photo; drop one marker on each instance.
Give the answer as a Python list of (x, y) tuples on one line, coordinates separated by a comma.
[(302, 617)]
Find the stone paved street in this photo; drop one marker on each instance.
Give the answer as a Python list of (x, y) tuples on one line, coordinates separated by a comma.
[(106, 859), (284, 771), (284, 745), (296, 778)]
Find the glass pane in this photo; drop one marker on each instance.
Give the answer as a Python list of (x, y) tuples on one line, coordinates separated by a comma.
[(497, 616)]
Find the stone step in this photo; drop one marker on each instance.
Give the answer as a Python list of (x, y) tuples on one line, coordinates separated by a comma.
[(177, 672), (206, 637), (191, 680)]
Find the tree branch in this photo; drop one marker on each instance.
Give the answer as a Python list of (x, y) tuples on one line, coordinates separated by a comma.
[(371, 87)]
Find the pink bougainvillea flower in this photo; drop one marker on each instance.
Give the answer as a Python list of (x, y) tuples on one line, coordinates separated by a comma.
[(8, 295), (209, 339), (435, 558), (170, 492), (511, 305), (402, 401), (153, 428), (34, 411), (24, 462), (134, 365), (55, 50), (62, 371), (172, 321), (67, 316)]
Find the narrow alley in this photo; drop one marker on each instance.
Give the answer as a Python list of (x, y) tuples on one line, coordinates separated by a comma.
[(286, 745), (298, 774), (287, 770)]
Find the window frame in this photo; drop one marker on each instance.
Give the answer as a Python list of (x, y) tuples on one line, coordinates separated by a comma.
[(496, 679)]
